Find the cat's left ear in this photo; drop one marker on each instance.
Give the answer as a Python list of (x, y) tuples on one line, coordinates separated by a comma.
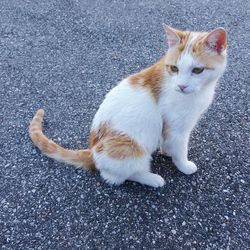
[(217, 40), (172, 36)]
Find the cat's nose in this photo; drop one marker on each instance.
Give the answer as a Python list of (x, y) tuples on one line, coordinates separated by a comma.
[(182, 87)]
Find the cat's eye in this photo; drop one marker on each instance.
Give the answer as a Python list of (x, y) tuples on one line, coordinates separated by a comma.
[(174, 68), (197, 70)]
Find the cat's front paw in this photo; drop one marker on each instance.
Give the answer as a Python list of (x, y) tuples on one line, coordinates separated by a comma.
[(188, 168)]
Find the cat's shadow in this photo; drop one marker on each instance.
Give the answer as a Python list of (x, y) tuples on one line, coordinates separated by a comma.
[(163, 165)]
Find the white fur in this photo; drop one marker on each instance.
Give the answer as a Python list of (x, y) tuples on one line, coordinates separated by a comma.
[(117, 171), (133, 111)]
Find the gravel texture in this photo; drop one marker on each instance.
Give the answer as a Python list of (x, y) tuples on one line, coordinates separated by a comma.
[(64, 56)]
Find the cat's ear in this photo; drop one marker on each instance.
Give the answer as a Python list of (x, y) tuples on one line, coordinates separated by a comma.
[(172, 36), (216, 40)]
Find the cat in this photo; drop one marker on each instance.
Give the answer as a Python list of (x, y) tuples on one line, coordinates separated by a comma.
[(155, 108)]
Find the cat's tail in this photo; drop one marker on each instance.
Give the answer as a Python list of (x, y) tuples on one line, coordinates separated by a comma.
[(79, 158)]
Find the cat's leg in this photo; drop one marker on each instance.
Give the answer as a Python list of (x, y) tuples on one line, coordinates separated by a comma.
[(177, 146), (165, 133), (141, 173), (115, 172), (147, 178), (112, 178)]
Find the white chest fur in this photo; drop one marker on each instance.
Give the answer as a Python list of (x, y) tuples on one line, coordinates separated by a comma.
[(181, 111)]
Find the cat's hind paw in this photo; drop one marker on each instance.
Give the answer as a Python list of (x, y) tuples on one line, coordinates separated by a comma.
[(156, 181), (150, 179)]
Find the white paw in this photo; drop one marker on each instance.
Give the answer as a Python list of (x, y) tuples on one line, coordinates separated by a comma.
[(188, 168), (147, 178), (156, 181)]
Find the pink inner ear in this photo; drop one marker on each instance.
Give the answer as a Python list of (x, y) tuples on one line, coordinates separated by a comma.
[(216, 40), (172, 37), (172, 41)]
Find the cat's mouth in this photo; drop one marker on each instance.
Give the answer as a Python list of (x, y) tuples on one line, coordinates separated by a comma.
[(185, 92)]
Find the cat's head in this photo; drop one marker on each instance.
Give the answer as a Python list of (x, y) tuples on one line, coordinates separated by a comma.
[(194, 59)]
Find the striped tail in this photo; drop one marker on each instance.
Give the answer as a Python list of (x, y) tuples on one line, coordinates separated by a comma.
[(79, 158)]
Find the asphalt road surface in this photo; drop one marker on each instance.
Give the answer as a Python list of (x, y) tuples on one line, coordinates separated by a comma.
[(64, 56)]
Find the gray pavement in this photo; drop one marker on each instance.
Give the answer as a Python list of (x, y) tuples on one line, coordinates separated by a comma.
[(64, 56)]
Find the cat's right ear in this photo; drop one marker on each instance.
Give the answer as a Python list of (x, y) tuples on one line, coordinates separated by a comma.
[(172, 36)]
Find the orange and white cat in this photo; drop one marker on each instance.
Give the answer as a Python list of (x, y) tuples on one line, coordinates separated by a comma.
[(157, 107)]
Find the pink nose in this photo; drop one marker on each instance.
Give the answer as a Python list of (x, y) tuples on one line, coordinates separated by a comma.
[(182, 87)]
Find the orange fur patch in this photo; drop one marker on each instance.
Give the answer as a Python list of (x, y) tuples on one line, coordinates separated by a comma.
[(114, 144), (150, 78), (184, 38), (165, 130)]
